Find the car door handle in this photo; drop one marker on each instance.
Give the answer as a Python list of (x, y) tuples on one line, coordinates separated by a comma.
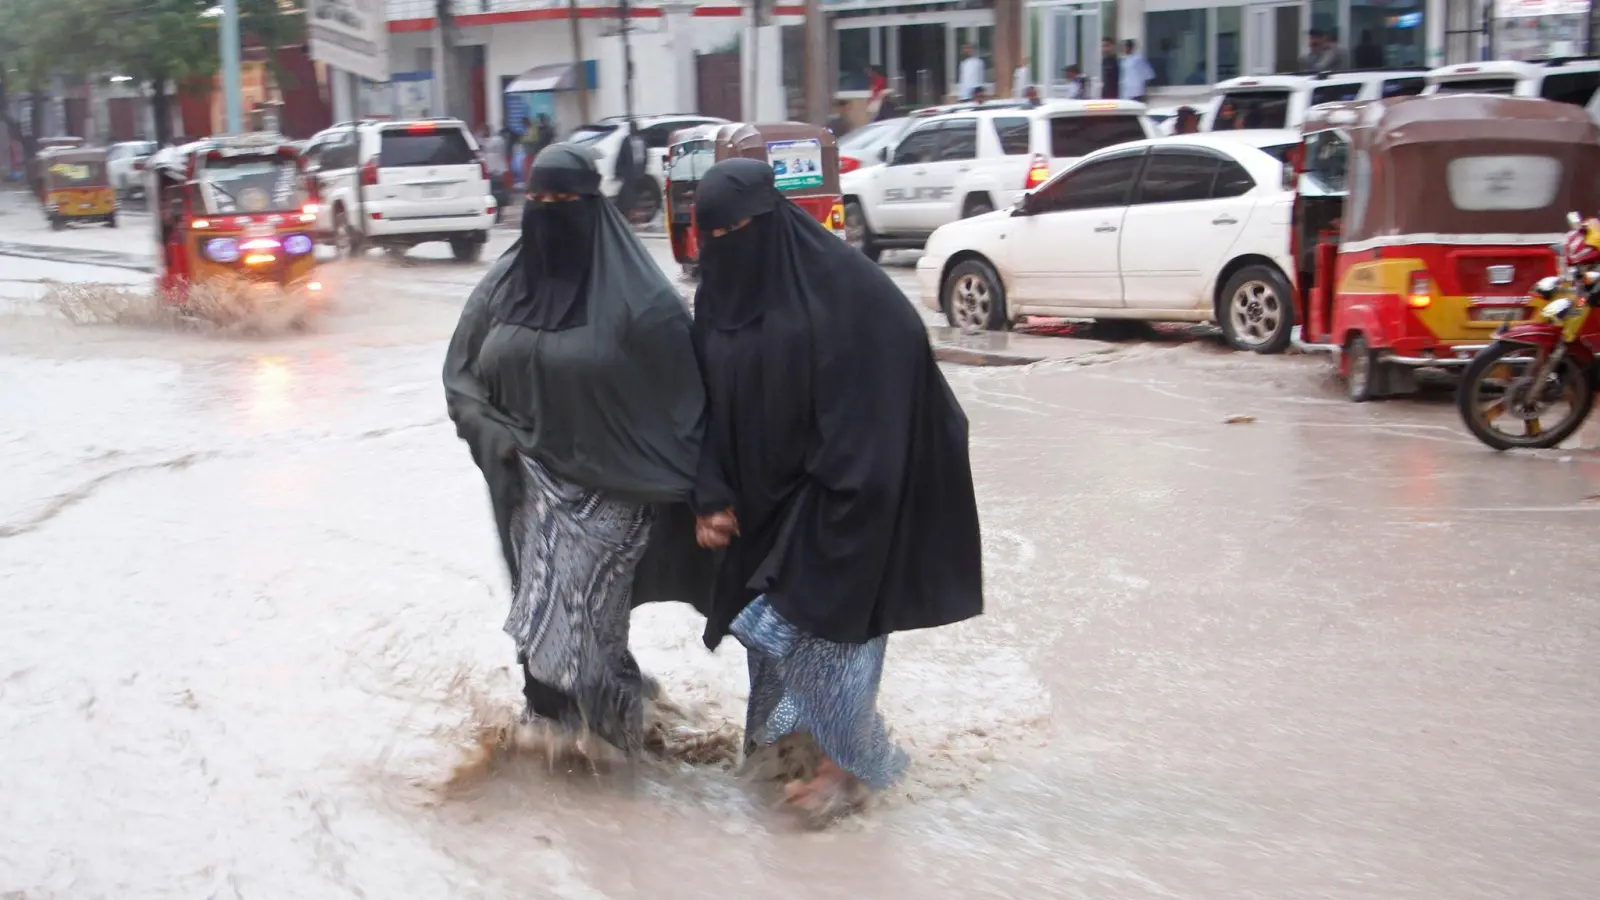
[(919, 171), (964, 169), (1224, 220), (1105, 228)]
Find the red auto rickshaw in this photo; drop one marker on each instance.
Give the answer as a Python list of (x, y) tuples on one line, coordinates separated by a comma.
[(805, 166), (1421, 224)]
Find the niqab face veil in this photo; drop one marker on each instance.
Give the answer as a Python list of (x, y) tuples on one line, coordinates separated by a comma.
[(558, 243), (734, 289)]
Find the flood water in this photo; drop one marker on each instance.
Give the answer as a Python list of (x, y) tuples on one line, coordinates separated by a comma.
[(252, 598)]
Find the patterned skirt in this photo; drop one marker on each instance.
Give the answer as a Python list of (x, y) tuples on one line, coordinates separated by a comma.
[(577, 550), (800, 683)]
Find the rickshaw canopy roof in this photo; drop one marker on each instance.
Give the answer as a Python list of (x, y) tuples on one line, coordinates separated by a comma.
[(73, 155), (1462, 168)]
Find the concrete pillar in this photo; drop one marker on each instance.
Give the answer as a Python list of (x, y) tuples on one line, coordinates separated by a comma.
[(343, 91), (819, 75), (1434, 15), (679, 19), (1007, 43), (1130, 23)]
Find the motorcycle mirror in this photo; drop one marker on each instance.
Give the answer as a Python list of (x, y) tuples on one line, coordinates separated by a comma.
[(1574, 220)]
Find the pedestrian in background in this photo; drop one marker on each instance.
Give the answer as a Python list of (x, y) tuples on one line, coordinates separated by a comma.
[(494, 159), (1110, 69), (1325, 54), (572, 379), (835, 471), (1072, 84), (1135, 72), (1188, 121), (839, 123), (970, 75), (1021, 80)]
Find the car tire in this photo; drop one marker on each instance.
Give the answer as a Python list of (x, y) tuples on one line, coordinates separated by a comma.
[(646, 201), (1256, 310), (856, 232), (467, 248), (1360, 365), (352, 243), (977, 208), (973, 297)]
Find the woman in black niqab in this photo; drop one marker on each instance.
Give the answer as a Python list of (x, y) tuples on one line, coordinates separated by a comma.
[(835, 470), (572, 379)]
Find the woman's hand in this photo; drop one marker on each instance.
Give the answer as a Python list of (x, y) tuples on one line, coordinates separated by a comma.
[(713, 532)]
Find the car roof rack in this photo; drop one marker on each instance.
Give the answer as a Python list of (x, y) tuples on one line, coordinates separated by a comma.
[(1563, 60)]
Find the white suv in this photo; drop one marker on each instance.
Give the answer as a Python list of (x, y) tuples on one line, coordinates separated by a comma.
[(968, 163), (399, 184), (122, 168), (1281, 101), (605, 139), (1575, 81)]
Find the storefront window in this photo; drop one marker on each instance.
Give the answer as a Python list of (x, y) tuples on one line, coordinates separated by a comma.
[(1230, 41), (855, 55), (1387, 35), (985, 47), (1558, 33), (1175, 44)]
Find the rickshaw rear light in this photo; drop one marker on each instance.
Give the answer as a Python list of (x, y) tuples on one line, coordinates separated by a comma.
[(836, 216), (200, 223), (848, 164), (1038, 172), (1420, 293), (259, 259)]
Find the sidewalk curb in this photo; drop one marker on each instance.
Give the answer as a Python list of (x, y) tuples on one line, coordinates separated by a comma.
[(967, 356)]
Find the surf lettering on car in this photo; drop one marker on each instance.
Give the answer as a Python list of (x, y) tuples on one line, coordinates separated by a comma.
[(913, 195)]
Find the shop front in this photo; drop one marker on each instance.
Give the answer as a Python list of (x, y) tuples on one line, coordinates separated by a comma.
[(917, 47)]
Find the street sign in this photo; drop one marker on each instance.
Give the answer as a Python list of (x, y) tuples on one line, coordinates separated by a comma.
[(352, 35)]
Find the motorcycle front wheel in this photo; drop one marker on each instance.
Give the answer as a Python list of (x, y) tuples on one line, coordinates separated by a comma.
[(1501, 407)]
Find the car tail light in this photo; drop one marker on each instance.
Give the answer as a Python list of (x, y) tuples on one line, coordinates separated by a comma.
[(836, 216), (1038, 172), (483, 167), (848, 164), (1420, 294), (421, 127), (369, 172)]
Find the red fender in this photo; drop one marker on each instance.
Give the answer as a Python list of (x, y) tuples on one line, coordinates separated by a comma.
[(1543, 335)]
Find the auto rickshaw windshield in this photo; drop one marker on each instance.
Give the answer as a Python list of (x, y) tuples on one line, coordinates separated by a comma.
[(691, 160), (250, 184)]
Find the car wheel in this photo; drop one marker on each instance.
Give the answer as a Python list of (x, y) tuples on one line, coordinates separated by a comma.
[(974, 298), (856, 232), (352, 243), (1257, 310), (467, 249), (977, 208), (1360, 366), (646, 202)]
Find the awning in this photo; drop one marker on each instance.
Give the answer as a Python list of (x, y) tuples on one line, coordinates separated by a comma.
[(554, 77)]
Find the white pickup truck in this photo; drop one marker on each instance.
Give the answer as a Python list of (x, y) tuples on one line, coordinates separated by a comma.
[(967, 163)]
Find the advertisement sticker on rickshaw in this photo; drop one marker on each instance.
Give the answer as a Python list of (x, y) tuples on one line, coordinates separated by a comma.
[(70, 171), (796, 164)]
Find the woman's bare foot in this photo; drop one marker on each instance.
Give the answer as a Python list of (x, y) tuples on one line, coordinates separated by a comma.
[(832, 792)]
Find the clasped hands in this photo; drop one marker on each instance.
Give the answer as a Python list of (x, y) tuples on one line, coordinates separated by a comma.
[(713, 532)]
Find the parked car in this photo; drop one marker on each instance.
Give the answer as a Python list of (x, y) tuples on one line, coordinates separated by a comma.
[(1572, 81), (1281, 101), (399, 184), (605, 138), (1193, 228), (953, 166), (862, 147), (122, 169)]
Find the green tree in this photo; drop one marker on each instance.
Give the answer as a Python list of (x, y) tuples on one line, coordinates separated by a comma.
[(35, 36)]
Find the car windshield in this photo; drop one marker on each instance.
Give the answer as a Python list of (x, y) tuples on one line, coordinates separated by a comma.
[(419, 145), (690, 160), (250, 185), (868, 136), (78, 173), (1479, 86)]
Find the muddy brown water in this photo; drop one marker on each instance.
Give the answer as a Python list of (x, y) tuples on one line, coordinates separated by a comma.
[(251, 599)]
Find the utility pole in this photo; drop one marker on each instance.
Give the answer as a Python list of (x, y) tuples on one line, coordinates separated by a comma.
[(232, 92), (753, 114), (627, 66), (577, 59), (444, 54), (819, 75)]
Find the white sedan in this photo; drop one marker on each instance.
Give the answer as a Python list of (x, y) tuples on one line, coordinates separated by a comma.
[(1192, 228)]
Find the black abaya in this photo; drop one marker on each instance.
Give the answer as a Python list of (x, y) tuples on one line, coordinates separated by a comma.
[(831, 431)]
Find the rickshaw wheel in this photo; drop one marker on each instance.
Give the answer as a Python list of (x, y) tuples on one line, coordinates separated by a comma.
[(57, 223), (1361, 370), (111, 220)]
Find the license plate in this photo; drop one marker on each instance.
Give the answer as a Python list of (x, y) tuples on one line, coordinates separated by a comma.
[(86, 206), (432, 192), (1498, 314)]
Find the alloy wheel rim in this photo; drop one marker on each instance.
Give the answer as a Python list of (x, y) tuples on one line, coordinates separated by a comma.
[(1256, 311), (971, 300)]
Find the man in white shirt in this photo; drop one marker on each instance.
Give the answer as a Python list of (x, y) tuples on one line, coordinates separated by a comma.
[(1020, 80), (1136, 72), (970, 76)]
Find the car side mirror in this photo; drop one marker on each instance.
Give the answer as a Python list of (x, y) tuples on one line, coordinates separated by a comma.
[(1023, 205), (883, 154)]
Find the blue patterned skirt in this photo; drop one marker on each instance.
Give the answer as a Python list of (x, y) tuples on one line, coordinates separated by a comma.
[(577, 550), (800, 683)]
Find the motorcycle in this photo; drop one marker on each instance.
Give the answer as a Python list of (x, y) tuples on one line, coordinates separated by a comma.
[(1542, 366)]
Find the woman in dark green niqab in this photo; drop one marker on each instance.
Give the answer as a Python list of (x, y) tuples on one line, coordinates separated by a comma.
[(572, 379)]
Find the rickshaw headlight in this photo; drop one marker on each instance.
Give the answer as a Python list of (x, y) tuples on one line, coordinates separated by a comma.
[(222, 250), (1546, 286), (297, 245)]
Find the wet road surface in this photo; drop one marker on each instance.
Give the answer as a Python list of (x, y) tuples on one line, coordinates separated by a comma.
[(252, 608)]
